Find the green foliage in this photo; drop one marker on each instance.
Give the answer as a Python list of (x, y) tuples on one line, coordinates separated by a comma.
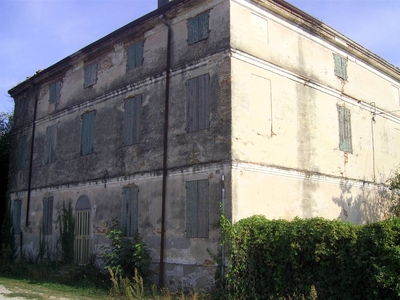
[(275, 259), (7, 250), (394, 195), (66, 224), (125, 254)]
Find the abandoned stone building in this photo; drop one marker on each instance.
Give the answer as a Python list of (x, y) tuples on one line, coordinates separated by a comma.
[(250, 103)]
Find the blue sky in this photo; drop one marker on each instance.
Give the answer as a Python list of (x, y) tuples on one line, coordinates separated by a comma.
[(35, 34)]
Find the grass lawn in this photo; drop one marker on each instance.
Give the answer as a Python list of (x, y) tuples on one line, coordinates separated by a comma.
[(47, 290)]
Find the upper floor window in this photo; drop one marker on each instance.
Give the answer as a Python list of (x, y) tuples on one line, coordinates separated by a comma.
[(87, 133), (345, 143), (90, 75), (55, 92), (198, 103), (50, 150), (135, 56), (197, 209), (132, 118), (198, 28), (340, 66)]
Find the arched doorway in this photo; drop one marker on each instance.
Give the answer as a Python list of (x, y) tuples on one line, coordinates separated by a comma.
[(82, 230)]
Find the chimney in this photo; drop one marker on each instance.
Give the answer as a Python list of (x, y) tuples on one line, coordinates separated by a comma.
[(163, 2)]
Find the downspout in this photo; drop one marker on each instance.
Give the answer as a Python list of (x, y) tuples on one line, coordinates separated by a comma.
[(165, 154), (31, 154)]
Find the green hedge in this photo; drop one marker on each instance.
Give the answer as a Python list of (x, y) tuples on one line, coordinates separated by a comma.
[(271, 259)]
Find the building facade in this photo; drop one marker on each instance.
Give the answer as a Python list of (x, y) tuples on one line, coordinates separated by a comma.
[(252, 104)]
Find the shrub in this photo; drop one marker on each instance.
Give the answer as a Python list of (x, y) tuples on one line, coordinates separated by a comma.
[(331, 259), (125, 254)]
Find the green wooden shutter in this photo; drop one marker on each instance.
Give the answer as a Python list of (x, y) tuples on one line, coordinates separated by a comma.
[(47, 218), (193, 30), (132, 120), (129, 218), (17, 216), (203, 21), (340, 66), (191, 209), (139, 54), (87, 133), (197, 209), (135, 56), (126, 204), (50, 150), (345, 137), (198, 103), (204, 101), (21, 151), (192, 122), (202, 209), (90, 75), (55, 90)]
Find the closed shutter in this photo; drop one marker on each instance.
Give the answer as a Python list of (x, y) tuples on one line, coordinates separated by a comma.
[(90, 75), (197, 209), (47, 218), (17, 216), (55, 90), (192, 121), (198, 103), (50, 150), (21, 150), (203, 25), (193, 30), (204, 101), (87, 133), (345, 137), (135, 56), (340, 66), (132, 120), (129, 220)]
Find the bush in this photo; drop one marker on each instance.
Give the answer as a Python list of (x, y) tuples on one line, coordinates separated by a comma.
[(125, 254), (333, 259)]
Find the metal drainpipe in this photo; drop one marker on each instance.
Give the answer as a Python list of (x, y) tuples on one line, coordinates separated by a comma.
[(31, 154), (165, 154), (223, 237)]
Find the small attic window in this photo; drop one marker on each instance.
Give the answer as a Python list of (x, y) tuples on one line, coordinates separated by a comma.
[(198, 28), (340, 66), (90, 75)]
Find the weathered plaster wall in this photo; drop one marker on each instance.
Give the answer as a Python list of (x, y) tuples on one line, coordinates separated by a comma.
[(102, 175), (285, 129)]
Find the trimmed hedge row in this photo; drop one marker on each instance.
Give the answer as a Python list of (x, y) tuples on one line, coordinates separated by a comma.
[(271, 259)]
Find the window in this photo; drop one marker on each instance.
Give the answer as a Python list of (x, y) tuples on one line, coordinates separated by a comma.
[(87, 133), (198, 103), (90, 75), (198, 28), (47, 219), (50, 151), (344, 129), (340, 66), (55, 89), (21, 148), (129, 219), (17, 216), (197, 209), (135, 56), (132, 114)]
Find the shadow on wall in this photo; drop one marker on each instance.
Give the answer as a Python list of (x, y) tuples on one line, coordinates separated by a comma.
[(362, 203)]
